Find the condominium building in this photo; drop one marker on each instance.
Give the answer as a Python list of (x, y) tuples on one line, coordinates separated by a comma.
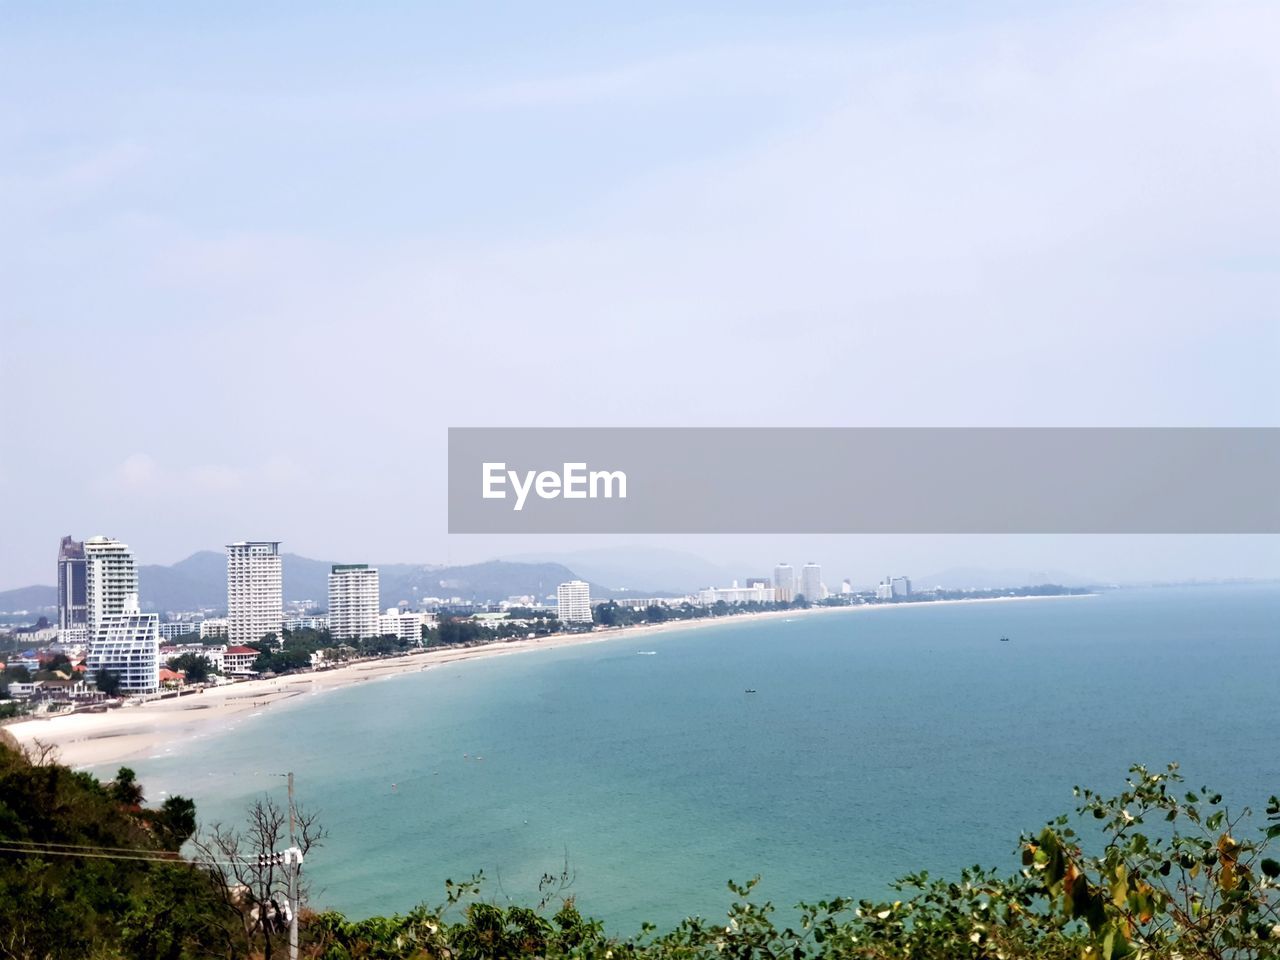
[(73, 599), (735, 594), (404, 624), (255, 591), (111, 576), (784, 583), (213, 627), (127, 644), (353, 602), (811, 582), (172, 629), (573, 602)]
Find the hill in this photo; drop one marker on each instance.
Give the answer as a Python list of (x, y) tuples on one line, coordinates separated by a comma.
[(200, 582)]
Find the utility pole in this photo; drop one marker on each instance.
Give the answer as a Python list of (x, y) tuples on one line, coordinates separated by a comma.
[(295, 867)]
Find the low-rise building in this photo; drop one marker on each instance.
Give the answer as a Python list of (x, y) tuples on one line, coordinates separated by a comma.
[(213, 627), (406, 625), (238, 661)]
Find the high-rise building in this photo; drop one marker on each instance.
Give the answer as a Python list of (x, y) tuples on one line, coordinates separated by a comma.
[(811, 582), (573, 602), (784, 583), (255, 591), (73, 601), (353, 602), (900, 587), (846, 587), (127, 644), (110, 578)]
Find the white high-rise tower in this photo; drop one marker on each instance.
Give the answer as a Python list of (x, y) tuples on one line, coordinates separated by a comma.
[(784, 583), (811, 582), (111, 576), (353, 602), (255, 591), (573, 602)]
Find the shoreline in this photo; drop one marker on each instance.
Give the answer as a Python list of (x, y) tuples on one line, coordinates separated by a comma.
[(132, 733)]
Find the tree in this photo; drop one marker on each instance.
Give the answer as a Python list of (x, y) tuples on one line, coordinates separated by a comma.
[(107, 682), (197, 667), (125, 788), (244, 868)]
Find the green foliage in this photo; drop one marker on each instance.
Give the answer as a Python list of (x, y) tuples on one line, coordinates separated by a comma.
[(197, 667), (107, 683), (83, 875), (1174, 875)]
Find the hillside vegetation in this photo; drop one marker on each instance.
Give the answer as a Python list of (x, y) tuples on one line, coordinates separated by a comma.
[(88, 870)]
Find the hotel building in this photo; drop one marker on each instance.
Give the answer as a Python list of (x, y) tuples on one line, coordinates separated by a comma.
[(127, 644), (255, 591), (111, 577), (353, 602), (573, 602), (784, 583), (73, 598), (811, 582)]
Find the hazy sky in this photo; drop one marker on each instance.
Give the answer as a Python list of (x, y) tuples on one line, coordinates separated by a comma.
[(255, 262)]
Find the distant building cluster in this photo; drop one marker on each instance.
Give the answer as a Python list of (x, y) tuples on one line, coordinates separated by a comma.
[(101, 626)]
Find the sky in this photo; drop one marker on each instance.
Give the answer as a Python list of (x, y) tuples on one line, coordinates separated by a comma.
[(256, 259)]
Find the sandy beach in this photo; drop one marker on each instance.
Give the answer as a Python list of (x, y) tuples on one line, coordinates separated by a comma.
[(130, 732)]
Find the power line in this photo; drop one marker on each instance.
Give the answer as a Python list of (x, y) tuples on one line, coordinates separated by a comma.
[(98, 854)]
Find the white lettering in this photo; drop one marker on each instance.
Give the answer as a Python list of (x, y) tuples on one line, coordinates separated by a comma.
[(609, 477), (575, 482), (521, 491), (494, 475)]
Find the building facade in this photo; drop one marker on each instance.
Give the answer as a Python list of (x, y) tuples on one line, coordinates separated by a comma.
[(573, 602), (404, 624), (255, 591), (73, 592), (237, 661), (111, 577), (811, 582), (353, 602), (735, 594), (127, 644), (784, 583)]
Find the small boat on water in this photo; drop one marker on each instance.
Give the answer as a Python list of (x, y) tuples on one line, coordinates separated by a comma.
[(749, 690), (1004, 639)]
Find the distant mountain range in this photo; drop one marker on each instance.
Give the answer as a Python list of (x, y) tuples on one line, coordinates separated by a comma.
[(200, 582)]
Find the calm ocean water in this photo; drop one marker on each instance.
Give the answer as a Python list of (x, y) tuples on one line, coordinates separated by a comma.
[(879, 742)]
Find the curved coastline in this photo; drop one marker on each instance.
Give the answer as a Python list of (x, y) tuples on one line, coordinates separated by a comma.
[(131, 733)]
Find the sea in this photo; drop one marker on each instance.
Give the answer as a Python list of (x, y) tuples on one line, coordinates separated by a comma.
[(877, 742)]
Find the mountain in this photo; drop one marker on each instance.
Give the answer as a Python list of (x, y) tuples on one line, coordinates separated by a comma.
[(644, 570), (980, 578), (36, 600), (200, 582)]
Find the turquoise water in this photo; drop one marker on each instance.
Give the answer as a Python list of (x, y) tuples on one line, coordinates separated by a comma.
[(879, 741)]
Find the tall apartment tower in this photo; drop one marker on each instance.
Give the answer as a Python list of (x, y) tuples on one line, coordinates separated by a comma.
[(111, 576), (255, 591), (811, 582), (73, 597), (127, 644), (784, 583), (353, 602), (573, 602)]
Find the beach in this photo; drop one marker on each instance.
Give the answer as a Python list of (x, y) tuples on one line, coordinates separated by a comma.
[(138, 731)]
